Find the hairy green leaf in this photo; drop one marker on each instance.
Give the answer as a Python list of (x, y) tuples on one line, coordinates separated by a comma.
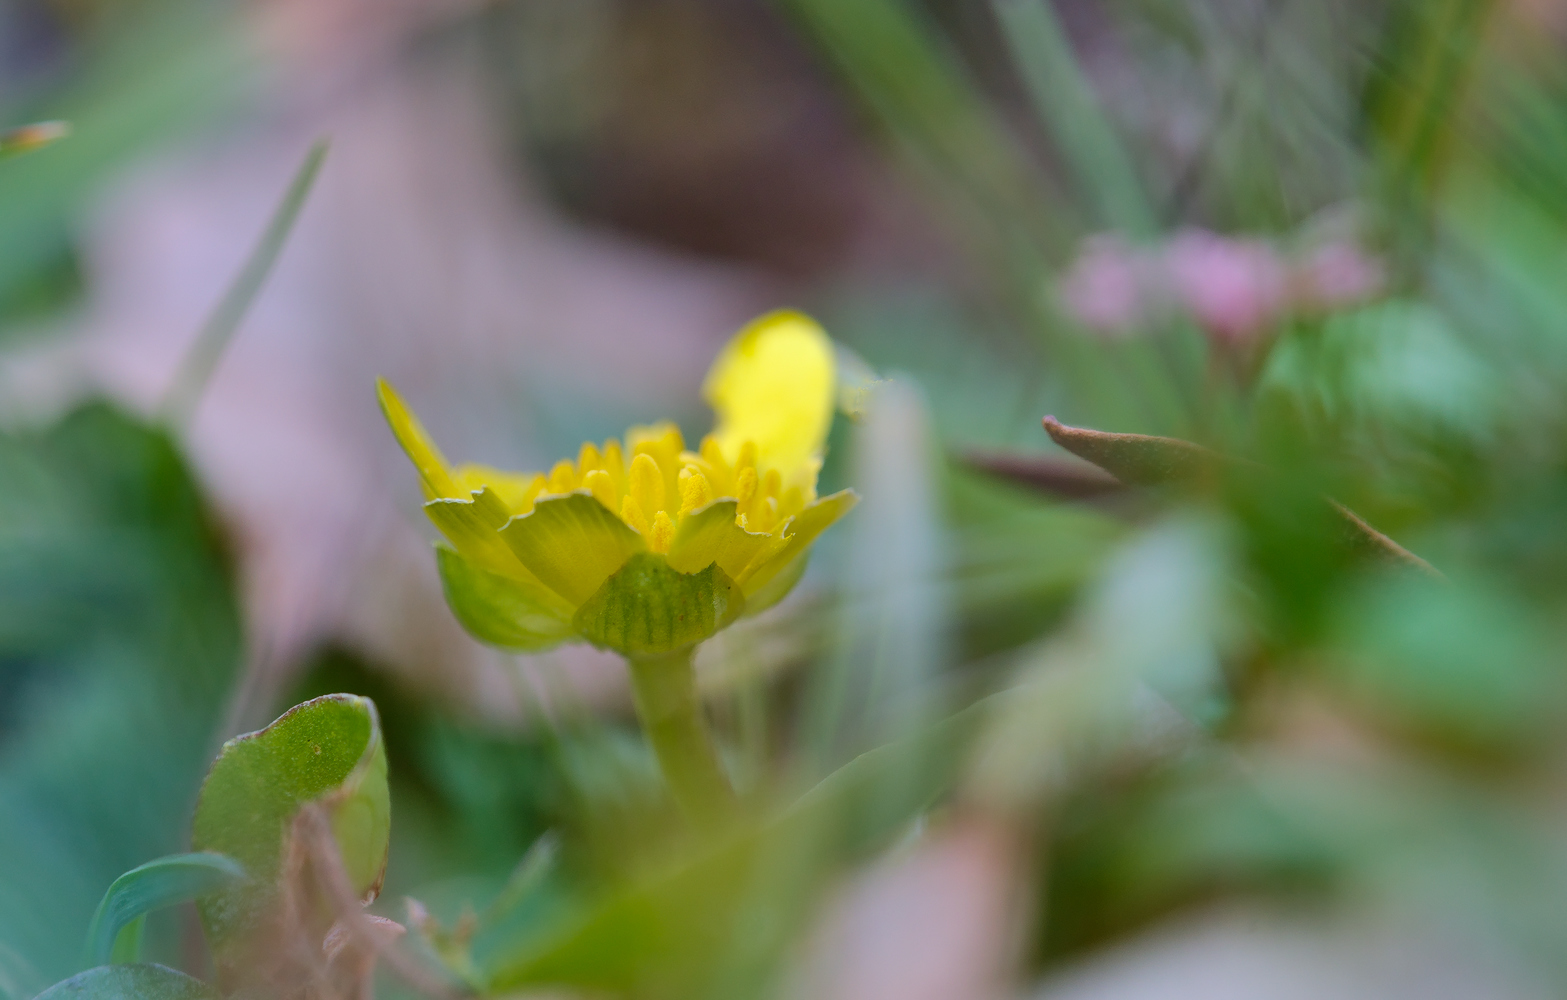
[(327, 750)]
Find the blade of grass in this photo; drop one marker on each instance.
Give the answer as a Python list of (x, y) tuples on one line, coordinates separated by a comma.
[(915, 84), (202, 359), (1072, 115), (1070, 112)]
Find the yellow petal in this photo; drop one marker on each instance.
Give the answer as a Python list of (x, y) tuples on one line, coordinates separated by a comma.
[(794, 539), (426, 457), (774, 384), (563, 477), (710, 535), (572, 544), (516, 489), (615, 465), (602, 487)]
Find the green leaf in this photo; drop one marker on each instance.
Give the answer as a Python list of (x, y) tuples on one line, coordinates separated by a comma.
[(495, 609), (327, 750), (130, 982), (119, 643), (153, 886), (647, 607), (1146, 460), (1137, 459)]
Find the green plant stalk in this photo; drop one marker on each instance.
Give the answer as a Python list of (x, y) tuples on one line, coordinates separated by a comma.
[(664, 686)]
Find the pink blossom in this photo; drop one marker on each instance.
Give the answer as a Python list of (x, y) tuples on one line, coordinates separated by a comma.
[(1107, 287), (1337, 274), (1234, 288)]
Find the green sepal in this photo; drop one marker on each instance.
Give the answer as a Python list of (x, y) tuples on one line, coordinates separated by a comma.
[(778, 586), (114, 935), (328, 751), (130, 982), (496, 609), (647, 607)]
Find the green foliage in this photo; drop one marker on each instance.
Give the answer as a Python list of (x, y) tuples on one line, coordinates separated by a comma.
[(119, 640), (718, 920), (130, 982), (149, 887), (328, 751)]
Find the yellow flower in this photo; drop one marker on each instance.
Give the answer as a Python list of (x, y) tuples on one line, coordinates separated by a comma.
[(644, 546)]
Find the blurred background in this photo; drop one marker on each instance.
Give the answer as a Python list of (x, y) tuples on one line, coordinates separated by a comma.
[(1143, 739)]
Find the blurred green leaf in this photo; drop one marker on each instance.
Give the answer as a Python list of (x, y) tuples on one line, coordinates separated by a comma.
[(130, 982), (1463, 662), (327, 750), (153, 886), (1395, 371), (119, 639)]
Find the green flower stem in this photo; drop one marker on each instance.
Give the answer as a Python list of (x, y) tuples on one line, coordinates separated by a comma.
[(665, 690)]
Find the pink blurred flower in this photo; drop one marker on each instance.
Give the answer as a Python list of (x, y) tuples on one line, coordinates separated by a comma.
[(1234, 288), (1337, 274), (1107, 287)]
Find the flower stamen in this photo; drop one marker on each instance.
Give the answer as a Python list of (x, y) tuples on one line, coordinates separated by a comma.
[(695, 491), (662, 534), (647, 484)]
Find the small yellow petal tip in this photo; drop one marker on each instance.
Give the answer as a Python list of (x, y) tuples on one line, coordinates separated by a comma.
[(416, 442), (563, 477), (599, 483)]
